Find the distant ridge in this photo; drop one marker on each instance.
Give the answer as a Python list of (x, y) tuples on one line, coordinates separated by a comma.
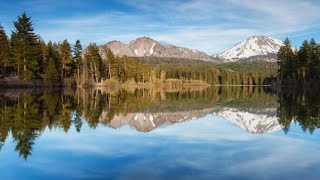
[(254, 48), (148, 47)]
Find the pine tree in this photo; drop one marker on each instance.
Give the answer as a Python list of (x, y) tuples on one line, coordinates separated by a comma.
[(317, 67), (51, 72), (312, 64), (305, 56), (111, 64), (67, 63), (4, 51), (26, 48), (54, 52), (77, 50), (94, 62), (44, 53), (286, 61)]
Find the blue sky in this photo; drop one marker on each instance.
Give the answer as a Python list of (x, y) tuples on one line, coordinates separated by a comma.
[(208, 25)]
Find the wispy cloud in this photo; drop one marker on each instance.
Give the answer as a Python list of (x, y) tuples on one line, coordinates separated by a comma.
[(292, 13)]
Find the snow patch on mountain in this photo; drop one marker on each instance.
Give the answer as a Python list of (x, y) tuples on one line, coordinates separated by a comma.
[(152, 50), (146, 47), (253, 46)]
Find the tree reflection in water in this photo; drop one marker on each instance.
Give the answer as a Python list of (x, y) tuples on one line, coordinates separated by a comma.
[(302, 107), (27, 113)]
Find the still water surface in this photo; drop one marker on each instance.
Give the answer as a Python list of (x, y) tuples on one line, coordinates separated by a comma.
[(215, 133)]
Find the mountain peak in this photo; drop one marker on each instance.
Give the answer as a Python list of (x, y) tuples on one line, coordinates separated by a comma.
[(258, 36), (118, 48), (145, 38), (115, 41), (144, 46), (253, 46), (148, 47)]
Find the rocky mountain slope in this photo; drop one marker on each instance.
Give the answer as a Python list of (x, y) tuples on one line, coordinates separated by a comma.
[(263, 47), (255, 48), (147, 47), (118, 48)]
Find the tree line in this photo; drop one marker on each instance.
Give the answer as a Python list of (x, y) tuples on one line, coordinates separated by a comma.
[(299, 67), (27, 56)]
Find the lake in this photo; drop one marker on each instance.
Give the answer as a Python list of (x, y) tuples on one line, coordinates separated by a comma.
[(213, 133)]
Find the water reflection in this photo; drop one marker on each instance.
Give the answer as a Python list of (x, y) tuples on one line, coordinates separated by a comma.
[(302, 107), (25, 115), (253, 121)]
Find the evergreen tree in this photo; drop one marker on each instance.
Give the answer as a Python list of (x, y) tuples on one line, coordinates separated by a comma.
[(54, 53), (4, 51), (51, 72), (94, 62), (26, 48), (286, 61), (67, 63), (317, 61), (44, 53), (312, 64), (305, 57), (304, 64), (77, 58), (111, 64)]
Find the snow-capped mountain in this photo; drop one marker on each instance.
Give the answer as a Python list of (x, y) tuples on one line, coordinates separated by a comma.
[(254, 48), (147, 47), (260, 46), (253, 122)]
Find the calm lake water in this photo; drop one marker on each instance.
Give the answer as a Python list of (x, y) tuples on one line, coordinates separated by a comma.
[(214, 133)]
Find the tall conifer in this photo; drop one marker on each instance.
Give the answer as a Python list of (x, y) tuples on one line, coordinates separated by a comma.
[(26, 48), (4, 50)]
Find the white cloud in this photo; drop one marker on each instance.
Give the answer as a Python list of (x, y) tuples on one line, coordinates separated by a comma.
[(211, 26), (294, 12)]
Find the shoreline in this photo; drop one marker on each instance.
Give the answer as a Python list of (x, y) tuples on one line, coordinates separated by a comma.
[(16, 83)]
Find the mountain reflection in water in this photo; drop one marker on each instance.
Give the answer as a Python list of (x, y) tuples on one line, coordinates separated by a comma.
[(25, 114)]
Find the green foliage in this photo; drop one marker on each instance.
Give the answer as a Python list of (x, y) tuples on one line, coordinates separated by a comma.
[(4, 51), (26, 49), (286, 58), (247, 73), (67, 63), (301, 107), (78, 61), (299, 67), (111, 64), (93, 61), (51, 72)]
